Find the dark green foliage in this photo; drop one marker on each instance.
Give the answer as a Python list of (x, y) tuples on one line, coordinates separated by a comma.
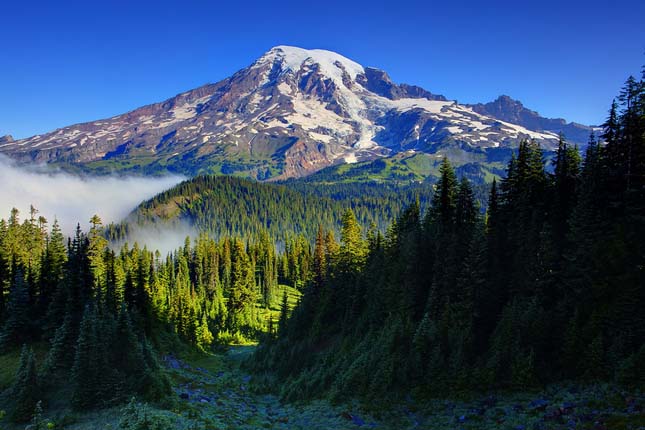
[(230, 206), (154, 382), (84, 363), (61, 354), (284, 315), (128, 358), (16, 328), (111, 362), (23, 394), (139, 416), (549, 287)]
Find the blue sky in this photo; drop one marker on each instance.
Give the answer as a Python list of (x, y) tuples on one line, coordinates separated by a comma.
[(68, 62)]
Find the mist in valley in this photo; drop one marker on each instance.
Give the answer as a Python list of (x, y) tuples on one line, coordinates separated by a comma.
[(73, 199), (159, 236)]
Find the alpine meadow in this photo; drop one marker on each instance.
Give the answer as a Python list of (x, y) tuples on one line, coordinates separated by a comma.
[(307, 244)]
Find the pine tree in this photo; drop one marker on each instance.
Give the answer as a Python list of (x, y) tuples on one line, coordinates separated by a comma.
[(320, 261), (96, 249), (53, 266), (444, 199), (352, 250), (155, 383), (566, 176), (203, 335), (128, 359), (25, 389), (60, 356), (284, 314), (242, 290), (85, 377), (4, 267), (466, 217), (16, 328)]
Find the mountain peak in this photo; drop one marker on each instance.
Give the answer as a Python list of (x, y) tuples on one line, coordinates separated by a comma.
[(508, 100), (508, 109), (293, 59), (292, 112)]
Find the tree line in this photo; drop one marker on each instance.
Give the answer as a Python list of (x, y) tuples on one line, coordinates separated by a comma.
[(228, 206), (547, 285)]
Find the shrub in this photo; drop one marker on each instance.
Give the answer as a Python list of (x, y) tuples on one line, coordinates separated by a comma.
[(139, 416)]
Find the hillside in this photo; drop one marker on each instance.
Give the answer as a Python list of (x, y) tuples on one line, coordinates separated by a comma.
[(222, 206)]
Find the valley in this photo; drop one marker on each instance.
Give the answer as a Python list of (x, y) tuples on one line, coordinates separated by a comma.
[(303, 241), (214, 391)]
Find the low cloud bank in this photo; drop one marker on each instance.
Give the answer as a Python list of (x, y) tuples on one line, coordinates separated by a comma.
[(161, 237), (73, 199)]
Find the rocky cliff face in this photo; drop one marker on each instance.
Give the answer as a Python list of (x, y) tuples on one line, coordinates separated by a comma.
[(507, 109), (290, 113)]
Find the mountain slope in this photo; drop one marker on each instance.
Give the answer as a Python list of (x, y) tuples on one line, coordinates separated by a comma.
[(289, 114), (212, 204)]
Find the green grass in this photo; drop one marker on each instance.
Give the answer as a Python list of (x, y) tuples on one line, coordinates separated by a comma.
[(404, 167)]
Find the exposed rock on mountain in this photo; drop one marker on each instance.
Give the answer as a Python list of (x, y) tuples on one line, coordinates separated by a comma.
[(290, 113), (507, 109)]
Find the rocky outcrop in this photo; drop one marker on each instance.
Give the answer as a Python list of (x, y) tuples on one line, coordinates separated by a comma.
[(378, 82), (510, 110)]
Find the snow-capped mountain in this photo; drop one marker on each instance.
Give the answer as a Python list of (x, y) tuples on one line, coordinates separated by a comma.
[(290, 113)]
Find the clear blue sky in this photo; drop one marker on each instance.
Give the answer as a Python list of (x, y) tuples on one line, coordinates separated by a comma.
[(63, 62)]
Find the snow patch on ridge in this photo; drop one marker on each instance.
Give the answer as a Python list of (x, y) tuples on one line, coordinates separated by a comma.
[(293, 58)]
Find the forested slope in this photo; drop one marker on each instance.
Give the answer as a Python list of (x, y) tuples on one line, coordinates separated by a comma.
[(224, 206), (548, 286), (90, 320)]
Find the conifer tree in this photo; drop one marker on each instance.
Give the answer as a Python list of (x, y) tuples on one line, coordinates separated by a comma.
[(96, 248), (85, 373), (25, 389), (155, 383), (352, 250), (242, 289), (16, 330), (128, 359), (444, 199), (53, 266), (4, 267), (203, 335), (320, 261), (61, 352), (565, 180), (284, 314)]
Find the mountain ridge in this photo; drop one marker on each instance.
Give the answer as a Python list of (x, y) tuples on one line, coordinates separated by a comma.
[(291, 113), (506, 108)]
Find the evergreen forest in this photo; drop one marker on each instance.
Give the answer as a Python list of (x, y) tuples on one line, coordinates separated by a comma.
[(351, 291)]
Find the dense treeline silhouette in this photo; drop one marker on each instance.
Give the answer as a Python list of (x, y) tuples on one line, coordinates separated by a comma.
[(229, 206), (549, 285)]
